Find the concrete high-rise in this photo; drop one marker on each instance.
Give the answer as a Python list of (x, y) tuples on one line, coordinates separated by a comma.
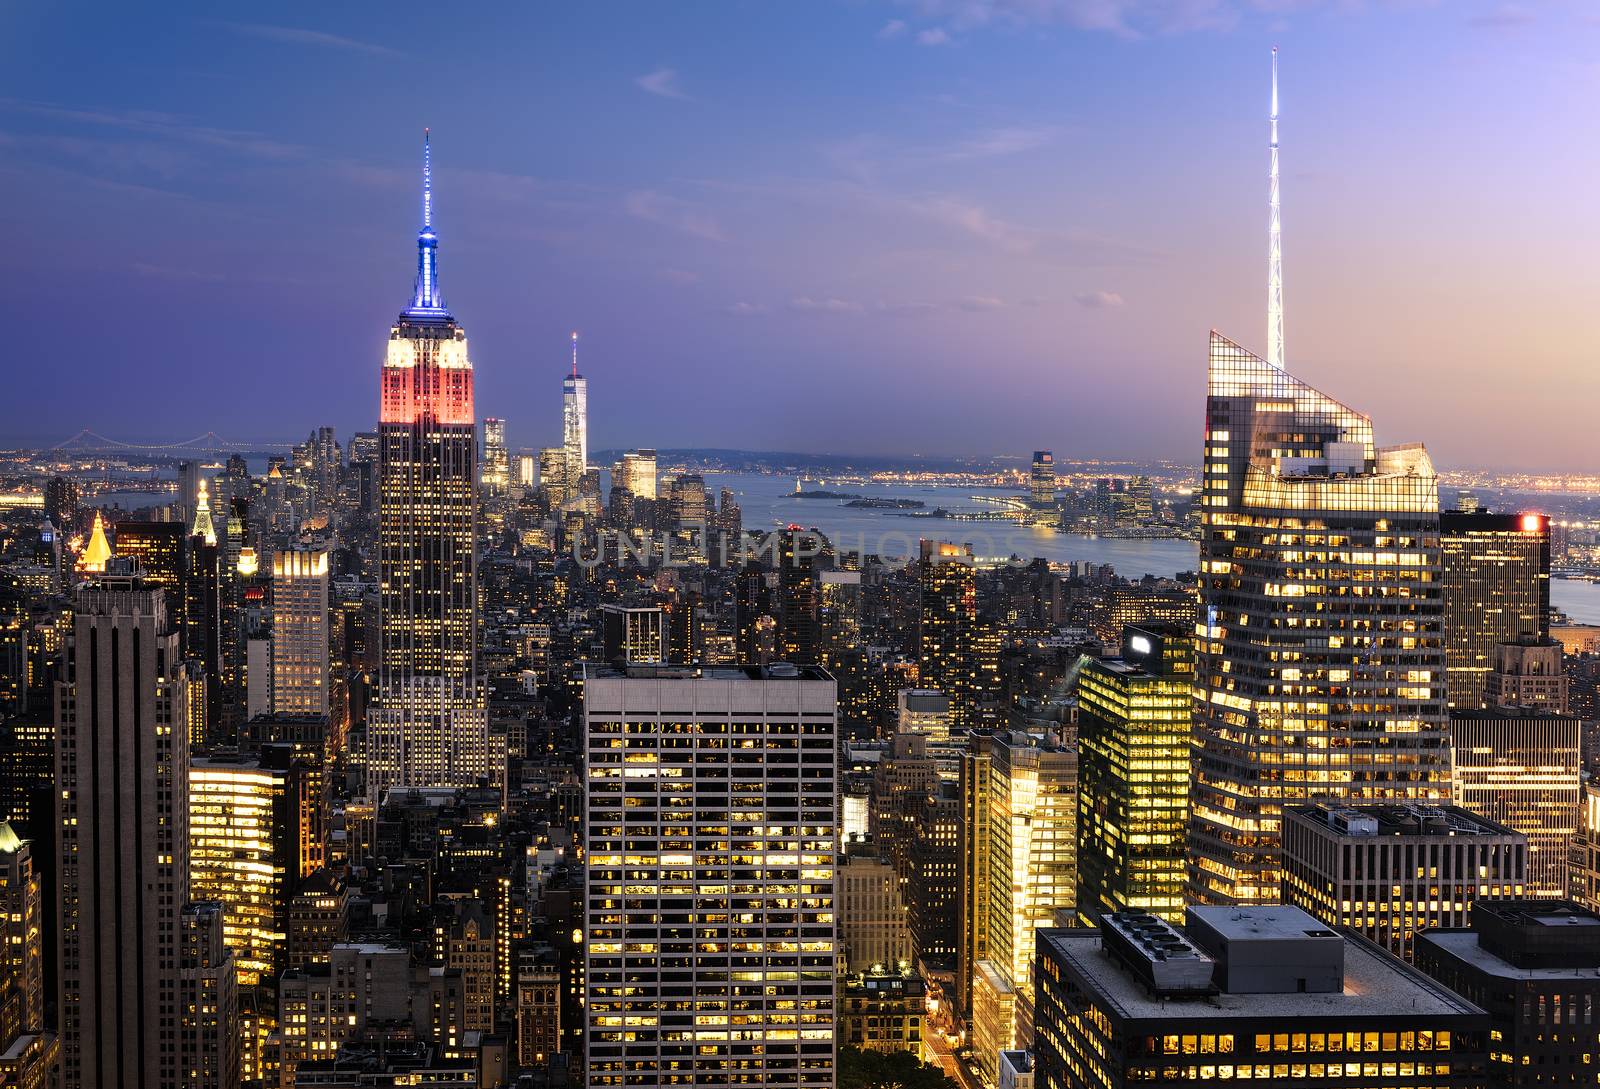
[(1042, 478), (496, 457), (1320, 665), (300, 646), (430, 725), (947, 646), (709, 921), (1496, 577), (122, 830)]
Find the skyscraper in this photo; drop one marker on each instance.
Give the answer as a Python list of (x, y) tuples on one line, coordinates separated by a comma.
[(1496, 590), (575, 420), (1133, 774), (122, 831), (947, 627), (706, 967), (496, 458), (430, 726), (22, 1036), (300, 633), (1320, 666), (1320, 671), (1042, 479)]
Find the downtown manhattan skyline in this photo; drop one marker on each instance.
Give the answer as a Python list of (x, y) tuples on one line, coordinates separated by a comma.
[(987, 216)]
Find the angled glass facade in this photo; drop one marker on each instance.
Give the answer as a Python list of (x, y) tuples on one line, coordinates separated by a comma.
[(1320, 658)]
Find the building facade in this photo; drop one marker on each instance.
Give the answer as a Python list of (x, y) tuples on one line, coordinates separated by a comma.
[(1319, 670), (710, 951), (300, 637), (1389, 871), (1534, 966), (122, 831), (1522, 768)]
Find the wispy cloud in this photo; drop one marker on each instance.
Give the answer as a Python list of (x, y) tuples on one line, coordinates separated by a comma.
[(169, 272), (975, 220), (163, 126), (1503, 17), (1005, 140), (1125, 18), (662, 82), (894, 28), (747, 309), (680, 276), (669, 211), (805, 304), (1098, 300), (934, 35), (293, 35), (981, 302)]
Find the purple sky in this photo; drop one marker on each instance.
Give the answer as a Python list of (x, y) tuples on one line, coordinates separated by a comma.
[(939, 227)]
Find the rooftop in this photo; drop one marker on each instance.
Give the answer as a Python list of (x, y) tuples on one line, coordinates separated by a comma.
[(777, 671), (1395, 819), (1375, 985)]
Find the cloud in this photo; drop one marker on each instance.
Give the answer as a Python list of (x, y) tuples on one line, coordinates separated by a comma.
[(1006, 140), (976, 221), (905, 308), (662, 82), (805, 304), (933, 36), (1098, 300), (1504, 17), (680, 215), (1125, 18), (894, 28), (745, 309), (162, 126), (981, 302), (680, 276), (292, 35)]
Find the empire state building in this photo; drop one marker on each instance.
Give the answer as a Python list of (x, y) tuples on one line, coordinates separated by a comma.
[(430, 726)]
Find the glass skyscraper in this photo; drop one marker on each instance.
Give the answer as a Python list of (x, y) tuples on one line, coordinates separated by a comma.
[(1320, 661)]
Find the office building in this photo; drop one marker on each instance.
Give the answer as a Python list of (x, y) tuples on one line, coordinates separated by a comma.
[(430, 725), (1262, 994), (874, 929), (1496, 570), (634, 635), (1390, 871), (496, 457), (710, 939), (575, 420), (948, 641), (553, 477), (1585, 858), (122, 831), (932, 896), (300, 641), (27, 1052), (208, 996), (1022, 863), (882, 1011), (1042, 478), (799, 594), (1319, 672), (924, 711), (1133, 774), (1528, 673), (1521, 767), (1534, 966)]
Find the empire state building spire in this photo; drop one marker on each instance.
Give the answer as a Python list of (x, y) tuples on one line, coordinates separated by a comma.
[(427, 300), (1275, 241)]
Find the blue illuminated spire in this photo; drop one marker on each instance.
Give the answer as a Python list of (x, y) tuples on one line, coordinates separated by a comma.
[(427, 301)]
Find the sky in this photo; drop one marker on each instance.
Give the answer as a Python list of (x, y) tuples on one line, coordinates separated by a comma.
[(941, 227)]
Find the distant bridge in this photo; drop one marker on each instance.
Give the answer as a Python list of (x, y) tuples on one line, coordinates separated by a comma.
[(209, 443)]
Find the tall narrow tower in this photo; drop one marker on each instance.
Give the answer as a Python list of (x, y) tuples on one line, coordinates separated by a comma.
[(1274, 240), (575, 420), (430, 727)]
